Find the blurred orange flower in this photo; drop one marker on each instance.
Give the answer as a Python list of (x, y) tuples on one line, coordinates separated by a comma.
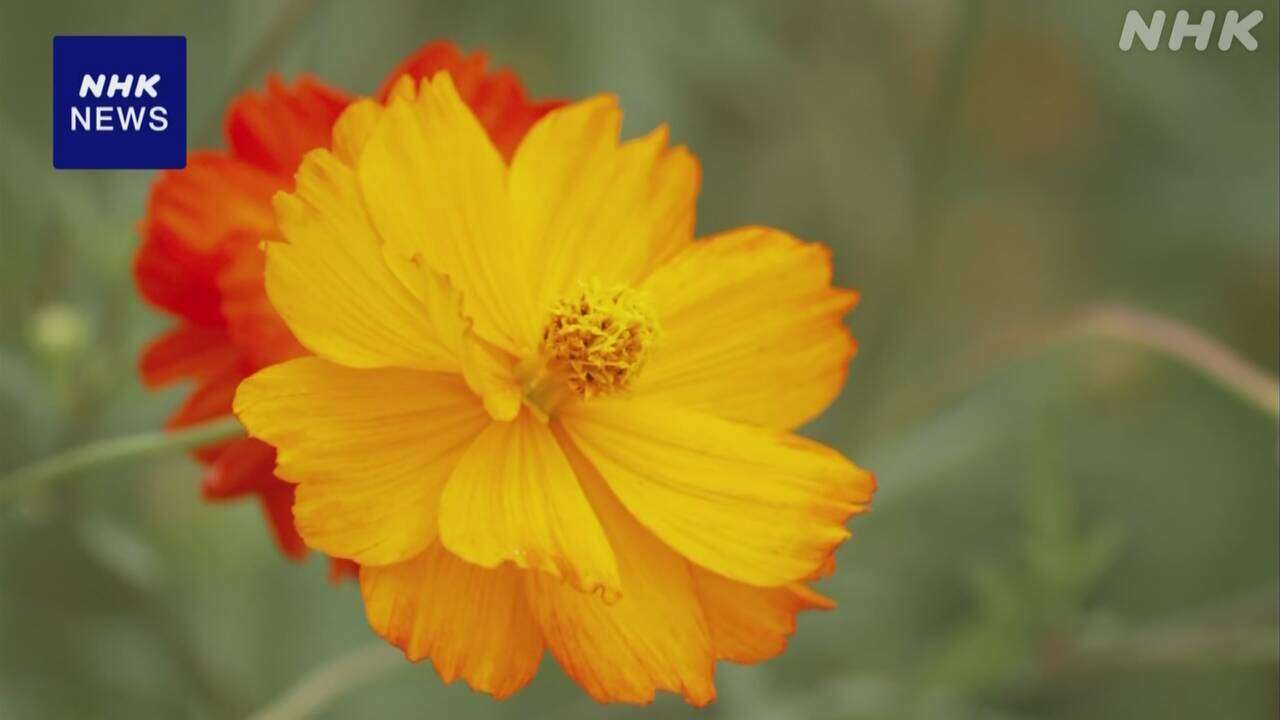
[(201, 261), (539, 413)]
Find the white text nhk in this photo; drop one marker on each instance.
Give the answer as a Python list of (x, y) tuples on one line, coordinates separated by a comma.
[(1234, 29), (109, 118)]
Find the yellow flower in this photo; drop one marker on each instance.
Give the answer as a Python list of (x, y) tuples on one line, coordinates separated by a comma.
[(540, 415)]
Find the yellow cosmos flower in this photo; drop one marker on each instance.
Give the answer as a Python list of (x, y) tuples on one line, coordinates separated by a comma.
[(539, 414)]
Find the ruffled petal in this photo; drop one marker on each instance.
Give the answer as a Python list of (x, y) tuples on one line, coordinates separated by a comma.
[(342, 569), (497, 98), (513, 497), (472, 622), (353, 128), (336, 293), (756, 505), (752, 329), (201, 260), (371, 450), (252, 323), (489, 370), (435, 189), (187, 352), (276, 500), (193, 216), (243, 467), (172, 277), (595, 208), (651, 638), (750, 624), (273, 129), (210, 400)]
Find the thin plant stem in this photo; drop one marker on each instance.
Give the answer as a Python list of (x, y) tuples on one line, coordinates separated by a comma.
[(1108, 322), (1209, 356), (321, 686), (39, 474)]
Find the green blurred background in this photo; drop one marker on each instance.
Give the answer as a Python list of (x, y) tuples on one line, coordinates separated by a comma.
[(1068, 524)]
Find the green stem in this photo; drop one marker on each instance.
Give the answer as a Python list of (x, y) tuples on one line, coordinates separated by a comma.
[(1145, 329), (322, 686), (1195, 349), (32, 477)]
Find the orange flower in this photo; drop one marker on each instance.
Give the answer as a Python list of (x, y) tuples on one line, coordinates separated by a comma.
[(201, 262), (539, 414)]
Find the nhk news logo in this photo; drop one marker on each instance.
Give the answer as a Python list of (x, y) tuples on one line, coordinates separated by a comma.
[(1234, 28), (119, 102)]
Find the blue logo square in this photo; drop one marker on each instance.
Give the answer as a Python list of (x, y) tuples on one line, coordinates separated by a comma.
[(119, 101)]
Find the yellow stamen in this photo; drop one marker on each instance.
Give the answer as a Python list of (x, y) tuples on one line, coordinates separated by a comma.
[(599, 339)]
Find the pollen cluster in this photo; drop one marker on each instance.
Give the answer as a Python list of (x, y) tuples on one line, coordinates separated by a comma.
[(599, 339)]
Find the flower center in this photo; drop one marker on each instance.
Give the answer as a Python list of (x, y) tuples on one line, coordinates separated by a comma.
[(595, 343)]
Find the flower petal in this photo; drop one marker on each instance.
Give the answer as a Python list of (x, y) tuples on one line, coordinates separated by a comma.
[(749, 624), (752, 329), (652, 638), (489, 370), (272, 130), (497, 98), (211, 399), (334, 290), (341, 570), (277, 500), (595, 208), (435, 189), (513, 497), (222, 200), (187, 351), (370, 449), (252, 323), (193, 215), (353, 128), (756, 505), (244, 466), (472, 622)]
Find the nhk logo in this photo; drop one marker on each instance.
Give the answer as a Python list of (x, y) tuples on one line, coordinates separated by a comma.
[(1234, 28), (100, 117), (119, 102)]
